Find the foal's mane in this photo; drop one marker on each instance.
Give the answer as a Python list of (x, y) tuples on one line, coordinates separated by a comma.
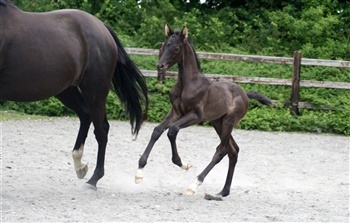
[(176, 32), (196, 56)]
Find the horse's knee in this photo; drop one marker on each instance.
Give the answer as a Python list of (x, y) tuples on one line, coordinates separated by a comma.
[(172, 133), (157, 132)]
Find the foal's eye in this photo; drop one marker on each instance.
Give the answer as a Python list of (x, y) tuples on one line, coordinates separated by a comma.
[(177, 49)]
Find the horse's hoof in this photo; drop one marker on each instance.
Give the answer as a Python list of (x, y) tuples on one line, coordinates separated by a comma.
[(139, 176), (88, 187), (186, 166), (209, 197), (190, 192), (81, 172), (138, 180)]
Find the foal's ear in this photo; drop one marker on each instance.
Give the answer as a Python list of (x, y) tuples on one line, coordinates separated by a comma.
[(184, 32), (168, 30)]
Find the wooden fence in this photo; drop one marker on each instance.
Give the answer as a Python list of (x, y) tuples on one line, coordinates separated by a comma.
[(297, 61)]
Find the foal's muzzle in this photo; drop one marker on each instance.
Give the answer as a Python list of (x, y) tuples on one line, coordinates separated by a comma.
[(161, 68)]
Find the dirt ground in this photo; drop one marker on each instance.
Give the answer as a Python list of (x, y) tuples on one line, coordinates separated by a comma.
[(279, 176)]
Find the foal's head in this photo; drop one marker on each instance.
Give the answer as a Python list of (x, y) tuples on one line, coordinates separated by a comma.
[(171, 50)]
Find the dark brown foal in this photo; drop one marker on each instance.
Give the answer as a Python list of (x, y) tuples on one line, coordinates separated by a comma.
[(194, 99)]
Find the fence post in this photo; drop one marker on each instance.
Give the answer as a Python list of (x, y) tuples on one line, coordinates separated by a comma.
[(294, 109)]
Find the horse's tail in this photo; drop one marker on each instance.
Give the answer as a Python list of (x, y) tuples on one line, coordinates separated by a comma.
[(130, 86), (259, 97)]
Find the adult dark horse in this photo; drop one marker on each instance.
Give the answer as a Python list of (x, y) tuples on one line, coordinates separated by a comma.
[(194, 99), (75, 57)]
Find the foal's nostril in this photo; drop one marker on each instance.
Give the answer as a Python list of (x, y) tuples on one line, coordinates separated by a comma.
[(160, 67)]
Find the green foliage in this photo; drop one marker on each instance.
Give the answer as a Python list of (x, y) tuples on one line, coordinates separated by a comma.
[(319, 28)]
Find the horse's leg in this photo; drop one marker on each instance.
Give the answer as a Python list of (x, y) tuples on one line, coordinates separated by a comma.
[(187, 120), (224, 132), (174, 124), (101, 125), (95, 91), (233, 156), (157, 132), (233, 151), (73, 99)]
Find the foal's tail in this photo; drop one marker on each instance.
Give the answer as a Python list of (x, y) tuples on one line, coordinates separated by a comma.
[(259, 97), (130, 86)]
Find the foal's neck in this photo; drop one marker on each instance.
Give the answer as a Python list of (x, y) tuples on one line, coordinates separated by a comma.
[(188, 67)]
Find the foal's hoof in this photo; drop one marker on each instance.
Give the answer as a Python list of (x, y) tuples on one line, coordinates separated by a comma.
[(216, 197), (139, 176), (88, 187), (186, 166), (81, 171), (190, 192), (138, 179)]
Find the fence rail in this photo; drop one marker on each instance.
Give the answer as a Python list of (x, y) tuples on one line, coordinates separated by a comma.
[(250, 58), (297, 61), (259, 80)]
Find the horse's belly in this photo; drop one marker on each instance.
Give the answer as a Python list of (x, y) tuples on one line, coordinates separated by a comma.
[(34, 89), (25, 94)]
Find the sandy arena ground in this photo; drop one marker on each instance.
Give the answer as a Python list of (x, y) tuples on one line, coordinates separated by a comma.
[(279, 176)]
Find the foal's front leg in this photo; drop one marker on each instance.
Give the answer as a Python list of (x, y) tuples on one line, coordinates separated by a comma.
[(187, 120), (157, 132)]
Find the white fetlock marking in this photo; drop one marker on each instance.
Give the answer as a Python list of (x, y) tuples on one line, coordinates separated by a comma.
[(186, 166), (139, 176), (192, 189), (80, 167)]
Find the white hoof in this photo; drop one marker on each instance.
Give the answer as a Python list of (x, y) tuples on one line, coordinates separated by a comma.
[(139, 176), (186, 166), (82, 170), (190, 192)]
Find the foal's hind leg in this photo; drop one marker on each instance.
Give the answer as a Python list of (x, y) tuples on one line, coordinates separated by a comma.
[(73, 99), (224, 131), (233, 151)]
